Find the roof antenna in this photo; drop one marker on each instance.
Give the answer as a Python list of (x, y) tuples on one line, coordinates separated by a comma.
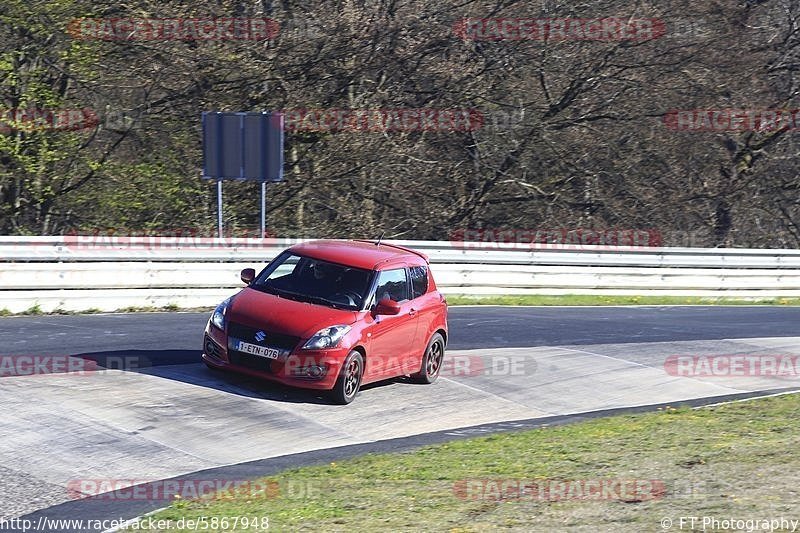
[(380, 238)]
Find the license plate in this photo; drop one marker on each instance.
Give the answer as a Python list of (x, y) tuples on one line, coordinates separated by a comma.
[(261, 351)]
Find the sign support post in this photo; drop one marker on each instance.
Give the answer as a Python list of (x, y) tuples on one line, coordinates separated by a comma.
[(219, 208), (245, 147), (263, 209)]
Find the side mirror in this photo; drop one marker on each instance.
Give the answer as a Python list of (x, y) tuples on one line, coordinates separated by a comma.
[(248, 275), (387, 307)]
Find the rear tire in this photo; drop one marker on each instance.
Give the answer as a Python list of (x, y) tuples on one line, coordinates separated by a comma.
[(432, 361), (349, 381)]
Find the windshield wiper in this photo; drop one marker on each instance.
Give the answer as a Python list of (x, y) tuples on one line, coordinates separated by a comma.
[(289, 294), (303, 297), (266, 288), (324, 301), (279, 292)]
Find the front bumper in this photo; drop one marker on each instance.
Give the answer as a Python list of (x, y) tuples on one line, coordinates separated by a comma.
[(306, 369)]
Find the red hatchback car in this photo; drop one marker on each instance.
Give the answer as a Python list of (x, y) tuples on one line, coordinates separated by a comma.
[(333, 315)]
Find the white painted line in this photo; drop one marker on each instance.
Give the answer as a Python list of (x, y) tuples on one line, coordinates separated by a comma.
[(748, 399)]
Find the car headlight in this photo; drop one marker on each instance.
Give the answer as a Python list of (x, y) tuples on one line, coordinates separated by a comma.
[(218, 316), (326, 338)]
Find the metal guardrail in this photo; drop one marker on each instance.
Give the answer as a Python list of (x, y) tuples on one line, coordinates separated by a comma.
[(79, 273)]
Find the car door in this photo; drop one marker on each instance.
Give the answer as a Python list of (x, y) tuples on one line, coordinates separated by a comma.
[(426, 304), (391, 336)]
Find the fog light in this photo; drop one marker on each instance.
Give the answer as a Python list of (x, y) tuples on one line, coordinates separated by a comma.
[(315, 371), (310, 372), (211, 348)]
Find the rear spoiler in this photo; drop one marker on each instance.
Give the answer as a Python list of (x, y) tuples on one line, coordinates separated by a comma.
[(397, 247)]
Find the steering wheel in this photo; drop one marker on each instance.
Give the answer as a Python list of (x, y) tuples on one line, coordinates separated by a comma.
[(348, 297)]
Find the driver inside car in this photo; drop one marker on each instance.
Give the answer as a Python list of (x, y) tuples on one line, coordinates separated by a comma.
[(320, 280)]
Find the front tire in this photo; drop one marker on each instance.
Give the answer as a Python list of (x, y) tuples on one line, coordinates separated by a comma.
[(349, 381), (432, 361)]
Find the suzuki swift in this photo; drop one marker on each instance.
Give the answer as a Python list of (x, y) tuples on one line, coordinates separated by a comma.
[(333, 315)]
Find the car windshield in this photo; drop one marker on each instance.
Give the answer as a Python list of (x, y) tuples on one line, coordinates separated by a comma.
[(316, 281)]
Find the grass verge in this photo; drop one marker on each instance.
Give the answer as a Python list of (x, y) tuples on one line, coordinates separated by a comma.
[(731, 461), (462, 299), (36, 310), (585, 299)]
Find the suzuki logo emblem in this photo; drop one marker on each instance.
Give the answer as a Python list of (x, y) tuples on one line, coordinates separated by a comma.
[(260, 336)]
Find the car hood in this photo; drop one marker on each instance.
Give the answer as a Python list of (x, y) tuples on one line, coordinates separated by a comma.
[(280, 315)]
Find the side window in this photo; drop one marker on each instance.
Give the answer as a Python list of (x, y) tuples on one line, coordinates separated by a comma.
[(392, 284), (419, 281)]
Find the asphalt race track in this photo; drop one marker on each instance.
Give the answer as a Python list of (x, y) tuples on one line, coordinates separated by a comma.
[(151, 410)]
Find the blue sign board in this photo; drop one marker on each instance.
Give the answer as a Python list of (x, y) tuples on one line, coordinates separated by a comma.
[(243, 146)]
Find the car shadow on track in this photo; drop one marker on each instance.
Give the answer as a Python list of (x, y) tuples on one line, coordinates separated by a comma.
[(185, 366)]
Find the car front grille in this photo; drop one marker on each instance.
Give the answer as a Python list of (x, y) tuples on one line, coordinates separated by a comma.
[(248, 334), (273, 340), (253, 362)]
